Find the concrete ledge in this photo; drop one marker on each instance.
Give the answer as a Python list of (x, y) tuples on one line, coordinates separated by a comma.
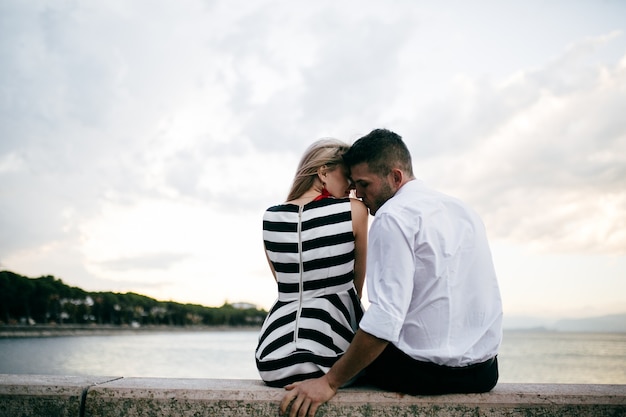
[(28, 395), (38, 395)]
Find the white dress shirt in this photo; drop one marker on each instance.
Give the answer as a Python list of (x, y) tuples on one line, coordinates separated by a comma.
[(431, 282)]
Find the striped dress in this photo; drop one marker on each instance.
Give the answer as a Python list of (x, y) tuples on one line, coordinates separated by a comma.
[(317, 312)]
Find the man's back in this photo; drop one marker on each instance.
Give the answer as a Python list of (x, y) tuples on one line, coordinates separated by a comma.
[(449, 296)]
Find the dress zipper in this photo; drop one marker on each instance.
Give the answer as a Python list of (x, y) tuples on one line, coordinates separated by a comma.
[(301, 268)]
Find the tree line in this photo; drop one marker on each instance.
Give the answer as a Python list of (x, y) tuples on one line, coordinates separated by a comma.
[(48, 300)]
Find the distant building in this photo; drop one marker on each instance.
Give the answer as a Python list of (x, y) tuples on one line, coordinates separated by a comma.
[(244, 306)]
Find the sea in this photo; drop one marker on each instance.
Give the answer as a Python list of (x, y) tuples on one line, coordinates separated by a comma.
[(525, 356)]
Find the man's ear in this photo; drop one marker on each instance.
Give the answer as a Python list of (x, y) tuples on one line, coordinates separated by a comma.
[(397, 177)]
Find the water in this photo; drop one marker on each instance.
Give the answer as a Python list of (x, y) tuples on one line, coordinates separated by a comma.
[(529, 357), (218, 354), (555, 357)]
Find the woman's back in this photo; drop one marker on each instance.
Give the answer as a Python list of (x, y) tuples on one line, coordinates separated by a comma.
[(311, 248)]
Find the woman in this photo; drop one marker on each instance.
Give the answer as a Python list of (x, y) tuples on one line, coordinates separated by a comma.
[(316, 246)]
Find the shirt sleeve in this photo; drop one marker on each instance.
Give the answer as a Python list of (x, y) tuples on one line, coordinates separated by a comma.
[(390, 272)]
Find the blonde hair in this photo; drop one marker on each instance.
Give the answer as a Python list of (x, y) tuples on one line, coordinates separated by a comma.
[(327, 152)]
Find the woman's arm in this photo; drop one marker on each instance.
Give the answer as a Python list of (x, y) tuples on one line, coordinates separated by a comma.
[(359, 228)]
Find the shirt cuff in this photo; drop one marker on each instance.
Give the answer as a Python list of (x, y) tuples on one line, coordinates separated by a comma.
[(381, 324)]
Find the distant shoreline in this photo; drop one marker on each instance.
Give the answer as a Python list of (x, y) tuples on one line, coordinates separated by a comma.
[(68, 330), (65, 330)]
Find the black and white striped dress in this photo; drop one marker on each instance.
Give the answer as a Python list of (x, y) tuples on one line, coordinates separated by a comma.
[(317, 312)]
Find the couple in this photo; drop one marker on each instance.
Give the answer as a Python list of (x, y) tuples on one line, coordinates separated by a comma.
[(434, 321)]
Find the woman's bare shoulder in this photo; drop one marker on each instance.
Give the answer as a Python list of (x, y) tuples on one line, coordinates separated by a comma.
[(358, 207)]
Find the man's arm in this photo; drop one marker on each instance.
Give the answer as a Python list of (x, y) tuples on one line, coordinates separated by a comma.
[(308, 395)]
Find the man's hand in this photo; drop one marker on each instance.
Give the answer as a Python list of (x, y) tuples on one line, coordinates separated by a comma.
[(306, 396)]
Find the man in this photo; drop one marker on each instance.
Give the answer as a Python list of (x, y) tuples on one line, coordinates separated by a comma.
[(434, 324)]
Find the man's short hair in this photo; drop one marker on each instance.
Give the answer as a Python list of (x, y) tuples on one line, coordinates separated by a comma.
[(382, 150)]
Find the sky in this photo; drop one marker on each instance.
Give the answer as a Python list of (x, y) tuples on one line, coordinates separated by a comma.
[(141, 141)]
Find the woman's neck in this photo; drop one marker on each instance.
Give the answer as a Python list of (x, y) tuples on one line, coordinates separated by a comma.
[(306, 197)]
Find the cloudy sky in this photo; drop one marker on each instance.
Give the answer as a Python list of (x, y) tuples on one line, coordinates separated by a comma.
[(141, 141)]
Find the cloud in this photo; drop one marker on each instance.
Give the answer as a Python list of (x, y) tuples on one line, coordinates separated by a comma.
[(144, 262), (140, 145), (546, 165)]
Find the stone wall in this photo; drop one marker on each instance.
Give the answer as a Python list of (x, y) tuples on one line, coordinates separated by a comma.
[(50, 396)]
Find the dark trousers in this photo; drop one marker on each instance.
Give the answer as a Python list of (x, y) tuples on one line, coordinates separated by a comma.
[(395, 371)]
